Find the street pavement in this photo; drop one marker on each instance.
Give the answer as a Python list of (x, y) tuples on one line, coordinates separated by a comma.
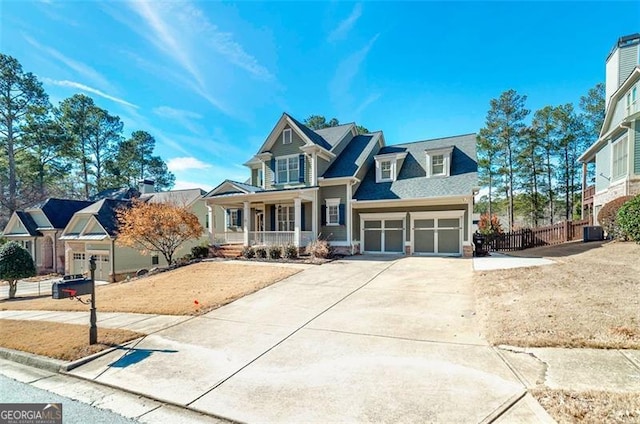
[(38, 288)]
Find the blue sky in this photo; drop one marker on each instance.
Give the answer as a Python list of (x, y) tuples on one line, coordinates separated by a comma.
[(209, 80)]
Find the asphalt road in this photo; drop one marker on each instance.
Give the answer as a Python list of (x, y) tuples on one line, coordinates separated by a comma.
[(73, 412)]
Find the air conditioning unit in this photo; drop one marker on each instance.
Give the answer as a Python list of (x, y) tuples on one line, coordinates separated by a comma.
[(592, 233)]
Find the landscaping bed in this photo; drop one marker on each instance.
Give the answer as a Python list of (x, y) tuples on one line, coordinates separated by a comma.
[(188, 290), (67, 342), (589, 298)]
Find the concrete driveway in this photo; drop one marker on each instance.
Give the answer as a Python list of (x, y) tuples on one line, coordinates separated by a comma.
[(369, 339)]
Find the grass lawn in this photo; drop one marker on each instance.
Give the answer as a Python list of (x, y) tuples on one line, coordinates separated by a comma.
[(589, 298), (61, 341), (590, 407), (210, 284)]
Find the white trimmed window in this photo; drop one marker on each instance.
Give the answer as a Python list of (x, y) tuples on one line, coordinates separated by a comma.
[(259, 178), (288, 169), (234, 218), (388, 165), (439, 162), (286, 136), (285, 218), (620, 157), (385, 170), (333, 211)]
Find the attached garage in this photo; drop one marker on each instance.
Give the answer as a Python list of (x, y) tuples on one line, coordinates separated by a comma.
[(81, 265), (383, 233), (437, 233)]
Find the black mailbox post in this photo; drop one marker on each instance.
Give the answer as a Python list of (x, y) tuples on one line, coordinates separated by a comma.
[(71, 287)]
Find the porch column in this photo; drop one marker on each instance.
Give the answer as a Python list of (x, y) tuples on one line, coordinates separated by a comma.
[(314, 215), (584, 187), (212, 223), (297, 202), (245, 222)]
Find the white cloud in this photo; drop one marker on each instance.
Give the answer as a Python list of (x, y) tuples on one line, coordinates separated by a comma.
[(172, 113), (84, 70), (86, 88), (186, 163), (347, 70), (183, 185), (341, 31), (369, 100)]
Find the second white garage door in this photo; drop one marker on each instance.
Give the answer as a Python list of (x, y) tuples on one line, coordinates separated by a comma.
[(437, 233), (383, 233)]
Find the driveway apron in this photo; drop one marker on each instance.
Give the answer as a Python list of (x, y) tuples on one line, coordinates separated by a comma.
[(366, 339)]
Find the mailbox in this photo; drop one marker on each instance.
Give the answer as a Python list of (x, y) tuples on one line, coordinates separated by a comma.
[(71, 287)]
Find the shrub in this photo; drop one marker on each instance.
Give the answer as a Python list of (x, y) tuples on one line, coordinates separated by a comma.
[(290, 251), (490, 225), (15, 263), (629, 219), (608, 216), (320, 249), (248, 252), (275, 252), (261, 252), (200, 252)]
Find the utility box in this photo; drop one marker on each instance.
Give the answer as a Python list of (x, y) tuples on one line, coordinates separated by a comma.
[(592, 233), (71, 287)]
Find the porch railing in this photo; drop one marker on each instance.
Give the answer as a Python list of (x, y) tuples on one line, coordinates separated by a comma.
[(231, 237), (279, 238)]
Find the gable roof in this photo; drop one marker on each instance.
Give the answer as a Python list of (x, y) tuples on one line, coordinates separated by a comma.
[(311, 134), (60, 211), (230, 186), (177, 197), (105, 213), (346, 164), (412, 182), (333, 135), (28, 222)]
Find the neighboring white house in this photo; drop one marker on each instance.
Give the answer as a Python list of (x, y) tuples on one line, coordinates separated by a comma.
[(616, 153)]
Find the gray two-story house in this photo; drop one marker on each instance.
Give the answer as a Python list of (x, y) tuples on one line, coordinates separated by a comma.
[(616, 153), (353, 190)]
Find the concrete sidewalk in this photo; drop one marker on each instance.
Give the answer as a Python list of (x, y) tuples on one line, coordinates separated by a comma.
[(357, 340)]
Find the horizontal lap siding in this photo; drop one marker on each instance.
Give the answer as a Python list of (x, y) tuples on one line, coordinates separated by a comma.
[(334, 232), (637, 149)]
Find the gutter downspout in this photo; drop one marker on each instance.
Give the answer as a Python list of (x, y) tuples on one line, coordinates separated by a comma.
[(113, 260)]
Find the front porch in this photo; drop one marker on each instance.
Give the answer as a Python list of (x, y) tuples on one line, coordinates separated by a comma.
[(273, 218)]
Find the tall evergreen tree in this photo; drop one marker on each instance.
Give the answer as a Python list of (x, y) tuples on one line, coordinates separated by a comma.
[(505, 125), (19, 92), (543, 127), (104, 135), (488, 156), (568, 130), (529, 170)]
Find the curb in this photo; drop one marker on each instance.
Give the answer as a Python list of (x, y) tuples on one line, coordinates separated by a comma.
[(68, 366), (32, 360)]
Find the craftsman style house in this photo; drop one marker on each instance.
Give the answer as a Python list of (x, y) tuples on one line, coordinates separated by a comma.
[(616, 153), (352, 190)]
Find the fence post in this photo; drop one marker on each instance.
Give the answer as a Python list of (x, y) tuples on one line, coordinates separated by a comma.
[(566, 230)]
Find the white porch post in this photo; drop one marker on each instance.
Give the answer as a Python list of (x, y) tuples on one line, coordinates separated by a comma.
[(245, 222), (297, 202), (314, 215), (212, 223)]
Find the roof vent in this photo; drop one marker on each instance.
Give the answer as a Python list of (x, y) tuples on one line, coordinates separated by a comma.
[(146, 186)]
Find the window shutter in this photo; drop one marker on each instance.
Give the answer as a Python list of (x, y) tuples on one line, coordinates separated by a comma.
[(273, 168), (301, 169), (341, 213), (323, 215), (229, 223), (302, 220), (273, 217), (239, 215)]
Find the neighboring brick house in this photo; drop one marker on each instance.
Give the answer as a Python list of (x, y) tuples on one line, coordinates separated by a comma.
[(616, 153), (353, 190)]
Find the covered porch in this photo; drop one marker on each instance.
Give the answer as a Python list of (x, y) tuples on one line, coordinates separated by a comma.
[(267, 218)]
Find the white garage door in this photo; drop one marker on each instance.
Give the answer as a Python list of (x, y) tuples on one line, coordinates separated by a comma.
[(80, 264), (437, 233), (383, 233), (102, 268)]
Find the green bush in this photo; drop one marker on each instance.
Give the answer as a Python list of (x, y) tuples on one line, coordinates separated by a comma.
[(275, 252), (608, 216), (248, 252), (290, 251), (629, 219), (15, 263), (200, 252), (261, 252)]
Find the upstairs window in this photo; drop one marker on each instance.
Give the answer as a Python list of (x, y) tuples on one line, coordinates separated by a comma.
[(620, 157), (288, 169), (259, 177), (286, 136), (439, 162), (437, 165), (385, 170)]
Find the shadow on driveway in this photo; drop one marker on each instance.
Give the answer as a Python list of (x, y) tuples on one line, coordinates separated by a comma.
[(133, 356)]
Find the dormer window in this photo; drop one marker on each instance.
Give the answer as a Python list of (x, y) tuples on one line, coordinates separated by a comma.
[(439, 162), (286, 136), (388, 166)]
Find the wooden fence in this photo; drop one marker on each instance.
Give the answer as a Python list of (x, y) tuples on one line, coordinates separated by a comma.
[(541, 236)]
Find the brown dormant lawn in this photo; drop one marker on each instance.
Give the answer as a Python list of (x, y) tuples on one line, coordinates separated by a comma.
[(589, 298), (61, 341), (590, 407), (189, 290)]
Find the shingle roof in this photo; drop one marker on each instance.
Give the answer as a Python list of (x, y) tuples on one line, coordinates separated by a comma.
[(334, 134), (177, 197), (312, 135), (412, 182), (105, 212), (60, 211), (120, 193), (29, 223), (345, 164), (248, 187)]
